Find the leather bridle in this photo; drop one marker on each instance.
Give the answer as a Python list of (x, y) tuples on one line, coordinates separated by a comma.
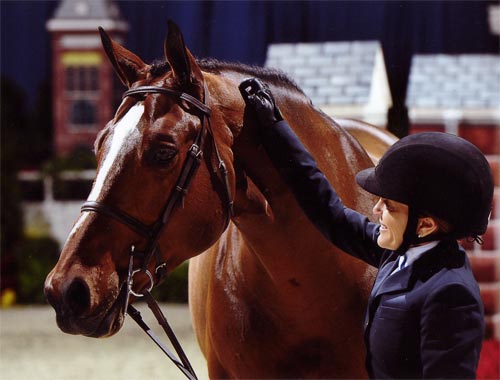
[(152, 232)]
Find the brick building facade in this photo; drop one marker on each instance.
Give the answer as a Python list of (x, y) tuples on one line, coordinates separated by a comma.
[(84, 96)]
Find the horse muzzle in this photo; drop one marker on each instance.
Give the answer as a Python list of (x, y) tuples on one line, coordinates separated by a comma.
[(79, 308)]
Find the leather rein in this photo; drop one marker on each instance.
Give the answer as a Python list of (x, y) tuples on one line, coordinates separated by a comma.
[(152, 232)]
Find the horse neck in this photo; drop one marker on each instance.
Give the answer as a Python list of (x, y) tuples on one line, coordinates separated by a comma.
[(267, 216)]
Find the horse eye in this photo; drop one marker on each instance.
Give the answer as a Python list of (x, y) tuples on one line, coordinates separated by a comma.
[(162, 155)]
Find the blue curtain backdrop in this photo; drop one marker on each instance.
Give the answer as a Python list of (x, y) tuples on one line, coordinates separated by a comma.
[(241, 31)]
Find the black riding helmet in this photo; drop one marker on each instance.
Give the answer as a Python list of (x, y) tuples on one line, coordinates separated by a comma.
[(435, 174)]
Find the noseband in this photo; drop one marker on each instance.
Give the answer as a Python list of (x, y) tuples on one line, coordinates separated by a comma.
[(152, 232)]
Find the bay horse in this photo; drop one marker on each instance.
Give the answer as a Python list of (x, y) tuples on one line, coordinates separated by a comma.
[(374, 140), (268, 295)]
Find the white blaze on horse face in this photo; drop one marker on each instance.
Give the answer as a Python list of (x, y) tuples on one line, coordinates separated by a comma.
[(121, 140), (121, 135)]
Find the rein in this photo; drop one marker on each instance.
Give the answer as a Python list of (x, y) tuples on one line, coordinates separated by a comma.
[(152, 232)]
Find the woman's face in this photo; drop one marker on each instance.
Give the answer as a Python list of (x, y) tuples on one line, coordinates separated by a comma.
[(393, 218)]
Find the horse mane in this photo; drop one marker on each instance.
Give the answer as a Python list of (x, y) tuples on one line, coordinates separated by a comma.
[(215, 66)]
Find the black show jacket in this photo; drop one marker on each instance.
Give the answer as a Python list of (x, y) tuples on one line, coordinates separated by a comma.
[(424, 321)]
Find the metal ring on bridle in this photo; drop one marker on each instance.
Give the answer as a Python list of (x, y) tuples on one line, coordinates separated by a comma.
[(151, 282)]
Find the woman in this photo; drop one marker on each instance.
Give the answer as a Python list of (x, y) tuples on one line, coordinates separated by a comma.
[(425, 316)]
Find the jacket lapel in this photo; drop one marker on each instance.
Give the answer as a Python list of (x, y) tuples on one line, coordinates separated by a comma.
[(396, 282), (383, 275), (445, 254)]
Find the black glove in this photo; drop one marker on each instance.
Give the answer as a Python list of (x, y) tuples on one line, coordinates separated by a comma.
[(258, 97)]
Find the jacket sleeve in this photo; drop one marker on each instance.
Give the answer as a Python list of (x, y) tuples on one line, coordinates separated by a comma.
[(349, 230), (452, 328)]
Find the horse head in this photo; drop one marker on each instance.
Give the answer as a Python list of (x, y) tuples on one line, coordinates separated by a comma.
[(147, 156)]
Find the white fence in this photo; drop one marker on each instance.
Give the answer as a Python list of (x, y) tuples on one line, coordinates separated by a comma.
[(48, 215)]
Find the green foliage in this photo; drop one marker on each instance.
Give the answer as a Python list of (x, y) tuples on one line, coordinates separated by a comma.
[(80, 159), (175, 287), (35, 258)]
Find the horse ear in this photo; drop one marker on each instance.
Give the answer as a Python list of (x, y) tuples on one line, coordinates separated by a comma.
[(127, 65), (180, 59)]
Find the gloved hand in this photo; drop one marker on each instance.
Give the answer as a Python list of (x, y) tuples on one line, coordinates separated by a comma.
[(258, 97)]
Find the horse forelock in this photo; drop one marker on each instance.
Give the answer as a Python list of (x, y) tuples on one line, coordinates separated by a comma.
[(272, 76), (159, 68)]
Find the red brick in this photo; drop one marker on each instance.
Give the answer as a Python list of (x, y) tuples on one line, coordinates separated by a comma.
[(419, 128), (490, 237), (492, 326), (490, 294), (495, 168), (495, 210), (485, 137), (485, 266)]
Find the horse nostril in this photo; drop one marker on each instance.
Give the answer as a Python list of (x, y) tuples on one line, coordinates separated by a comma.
[(78, 297)]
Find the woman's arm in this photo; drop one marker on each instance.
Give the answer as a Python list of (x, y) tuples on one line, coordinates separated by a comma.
[(349, 230), (346, 228)]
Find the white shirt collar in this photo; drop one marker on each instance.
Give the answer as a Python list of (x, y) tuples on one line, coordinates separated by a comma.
[(414, 253)]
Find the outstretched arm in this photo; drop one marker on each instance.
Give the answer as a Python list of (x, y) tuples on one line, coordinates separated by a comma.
[(349, 230)]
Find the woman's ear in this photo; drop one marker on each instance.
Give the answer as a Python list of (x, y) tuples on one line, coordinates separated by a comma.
[(426, 226)]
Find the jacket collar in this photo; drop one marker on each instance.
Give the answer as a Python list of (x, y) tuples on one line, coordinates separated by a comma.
[(414, 253), (445, 255)]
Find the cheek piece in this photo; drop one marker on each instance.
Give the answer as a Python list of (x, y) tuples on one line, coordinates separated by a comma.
[(410, 234)]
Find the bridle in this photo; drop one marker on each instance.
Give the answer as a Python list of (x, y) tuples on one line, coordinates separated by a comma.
[(193, 160), (153, 232)]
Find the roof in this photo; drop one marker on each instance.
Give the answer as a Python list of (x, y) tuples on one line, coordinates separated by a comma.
[(336, 75), (86, 15), (84, 9), (466, 81)]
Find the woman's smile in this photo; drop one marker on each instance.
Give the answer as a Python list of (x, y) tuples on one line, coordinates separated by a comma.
[(393, 218)]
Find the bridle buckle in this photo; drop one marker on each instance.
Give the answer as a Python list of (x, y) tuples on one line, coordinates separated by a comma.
[(130, 279), (196, 152)]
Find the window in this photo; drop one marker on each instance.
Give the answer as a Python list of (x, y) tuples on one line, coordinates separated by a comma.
[(82, 90), (83, 113)]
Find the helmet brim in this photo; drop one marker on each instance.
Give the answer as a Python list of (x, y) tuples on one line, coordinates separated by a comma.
[(367, 180)]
